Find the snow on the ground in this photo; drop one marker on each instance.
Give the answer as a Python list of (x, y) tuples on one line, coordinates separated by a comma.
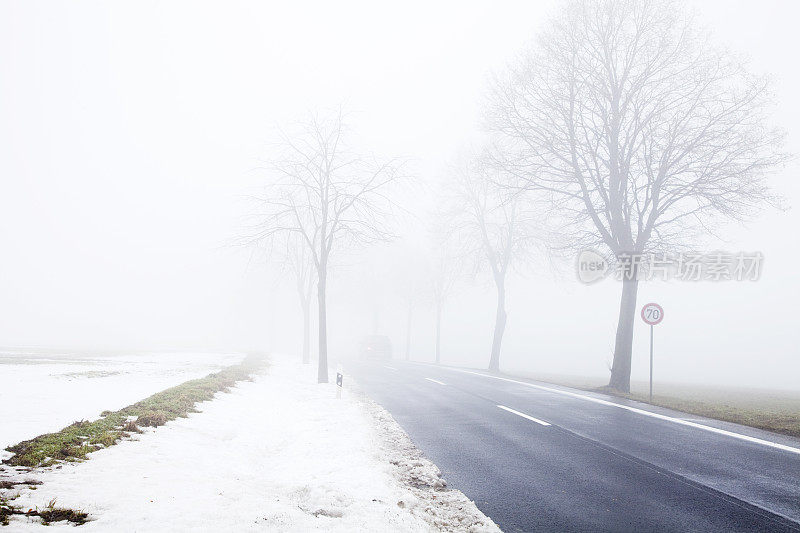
[(43, 393), (281, 453)]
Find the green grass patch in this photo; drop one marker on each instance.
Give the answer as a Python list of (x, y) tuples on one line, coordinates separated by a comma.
[(772, 410), (75, 441)]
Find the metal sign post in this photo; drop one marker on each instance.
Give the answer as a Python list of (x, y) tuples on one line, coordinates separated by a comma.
[(652, 314), (651, 363)]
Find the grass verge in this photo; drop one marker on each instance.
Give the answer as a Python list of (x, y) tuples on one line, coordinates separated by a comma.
[(771, 410), (48, 515), (759, 409), (77, 440)]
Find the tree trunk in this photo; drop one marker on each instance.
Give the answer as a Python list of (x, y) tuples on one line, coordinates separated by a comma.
[(621, 368), (322, 371), (408, 331), (499, 328), (438, 333), (307, 331)]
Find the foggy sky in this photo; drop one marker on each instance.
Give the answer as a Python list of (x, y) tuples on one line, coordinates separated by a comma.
[(129, 133)]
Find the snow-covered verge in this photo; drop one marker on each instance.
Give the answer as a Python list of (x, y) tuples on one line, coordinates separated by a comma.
[(280, 453), (41, 393)]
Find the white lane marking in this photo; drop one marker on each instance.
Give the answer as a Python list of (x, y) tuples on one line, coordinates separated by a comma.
[(436, 381), (682, 422), (389, 367), (523, 415)]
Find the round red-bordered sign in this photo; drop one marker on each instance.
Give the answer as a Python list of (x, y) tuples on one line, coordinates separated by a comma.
[(652, 313)]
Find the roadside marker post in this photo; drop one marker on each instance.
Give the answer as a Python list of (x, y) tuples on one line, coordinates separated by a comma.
[(339, 378), (652, 314)]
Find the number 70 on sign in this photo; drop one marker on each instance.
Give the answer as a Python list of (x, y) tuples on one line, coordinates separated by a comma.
[(652, 313)]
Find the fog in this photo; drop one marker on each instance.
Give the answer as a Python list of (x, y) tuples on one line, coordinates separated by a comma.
[(132, 136)]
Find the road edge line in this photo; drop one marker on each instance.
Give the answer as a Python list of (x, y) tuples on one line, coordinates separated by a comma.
[(644, 412)]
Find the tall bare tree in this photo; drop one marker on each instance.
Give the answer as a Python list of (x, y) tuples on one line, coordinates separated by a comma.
[(640, 132), (290, 256), (329, 197), (300, 261), (445, 270), (409, 273), (410, 293), (493, 227)]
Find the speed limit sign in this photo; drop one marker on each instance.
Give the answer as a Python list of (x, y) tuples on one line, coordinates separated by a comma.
[(652, 314)]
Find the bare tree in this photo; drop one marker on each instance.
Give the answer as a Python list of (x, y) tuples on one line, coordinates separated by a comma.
[(300, 261), (409, 317), (639, 132), (493, 227), (329, 197), (291, 257), (445, 270), (373, 292), (410, 287), (405, 272)]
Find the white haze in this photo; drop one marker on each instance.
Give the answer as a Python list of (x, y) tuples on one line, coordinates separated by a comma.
[(128, 137)]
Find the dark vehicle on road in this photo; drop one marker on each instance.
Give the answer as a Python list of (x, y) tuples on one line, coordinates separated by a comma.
[(375, 347)]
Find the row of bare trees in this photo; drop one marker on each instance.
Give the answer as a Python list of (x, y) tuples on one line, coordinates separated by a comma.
[(631, 132), (323, 197), (620, 128), (490, 227)]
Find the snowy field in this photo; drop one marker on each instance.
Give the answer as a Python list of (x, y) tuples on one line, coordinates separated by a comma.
[(280, 453), (44, 393)]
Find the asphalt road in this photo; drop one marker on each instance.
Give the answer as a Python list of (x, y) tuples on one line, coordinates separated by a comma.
[(539, 457)]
